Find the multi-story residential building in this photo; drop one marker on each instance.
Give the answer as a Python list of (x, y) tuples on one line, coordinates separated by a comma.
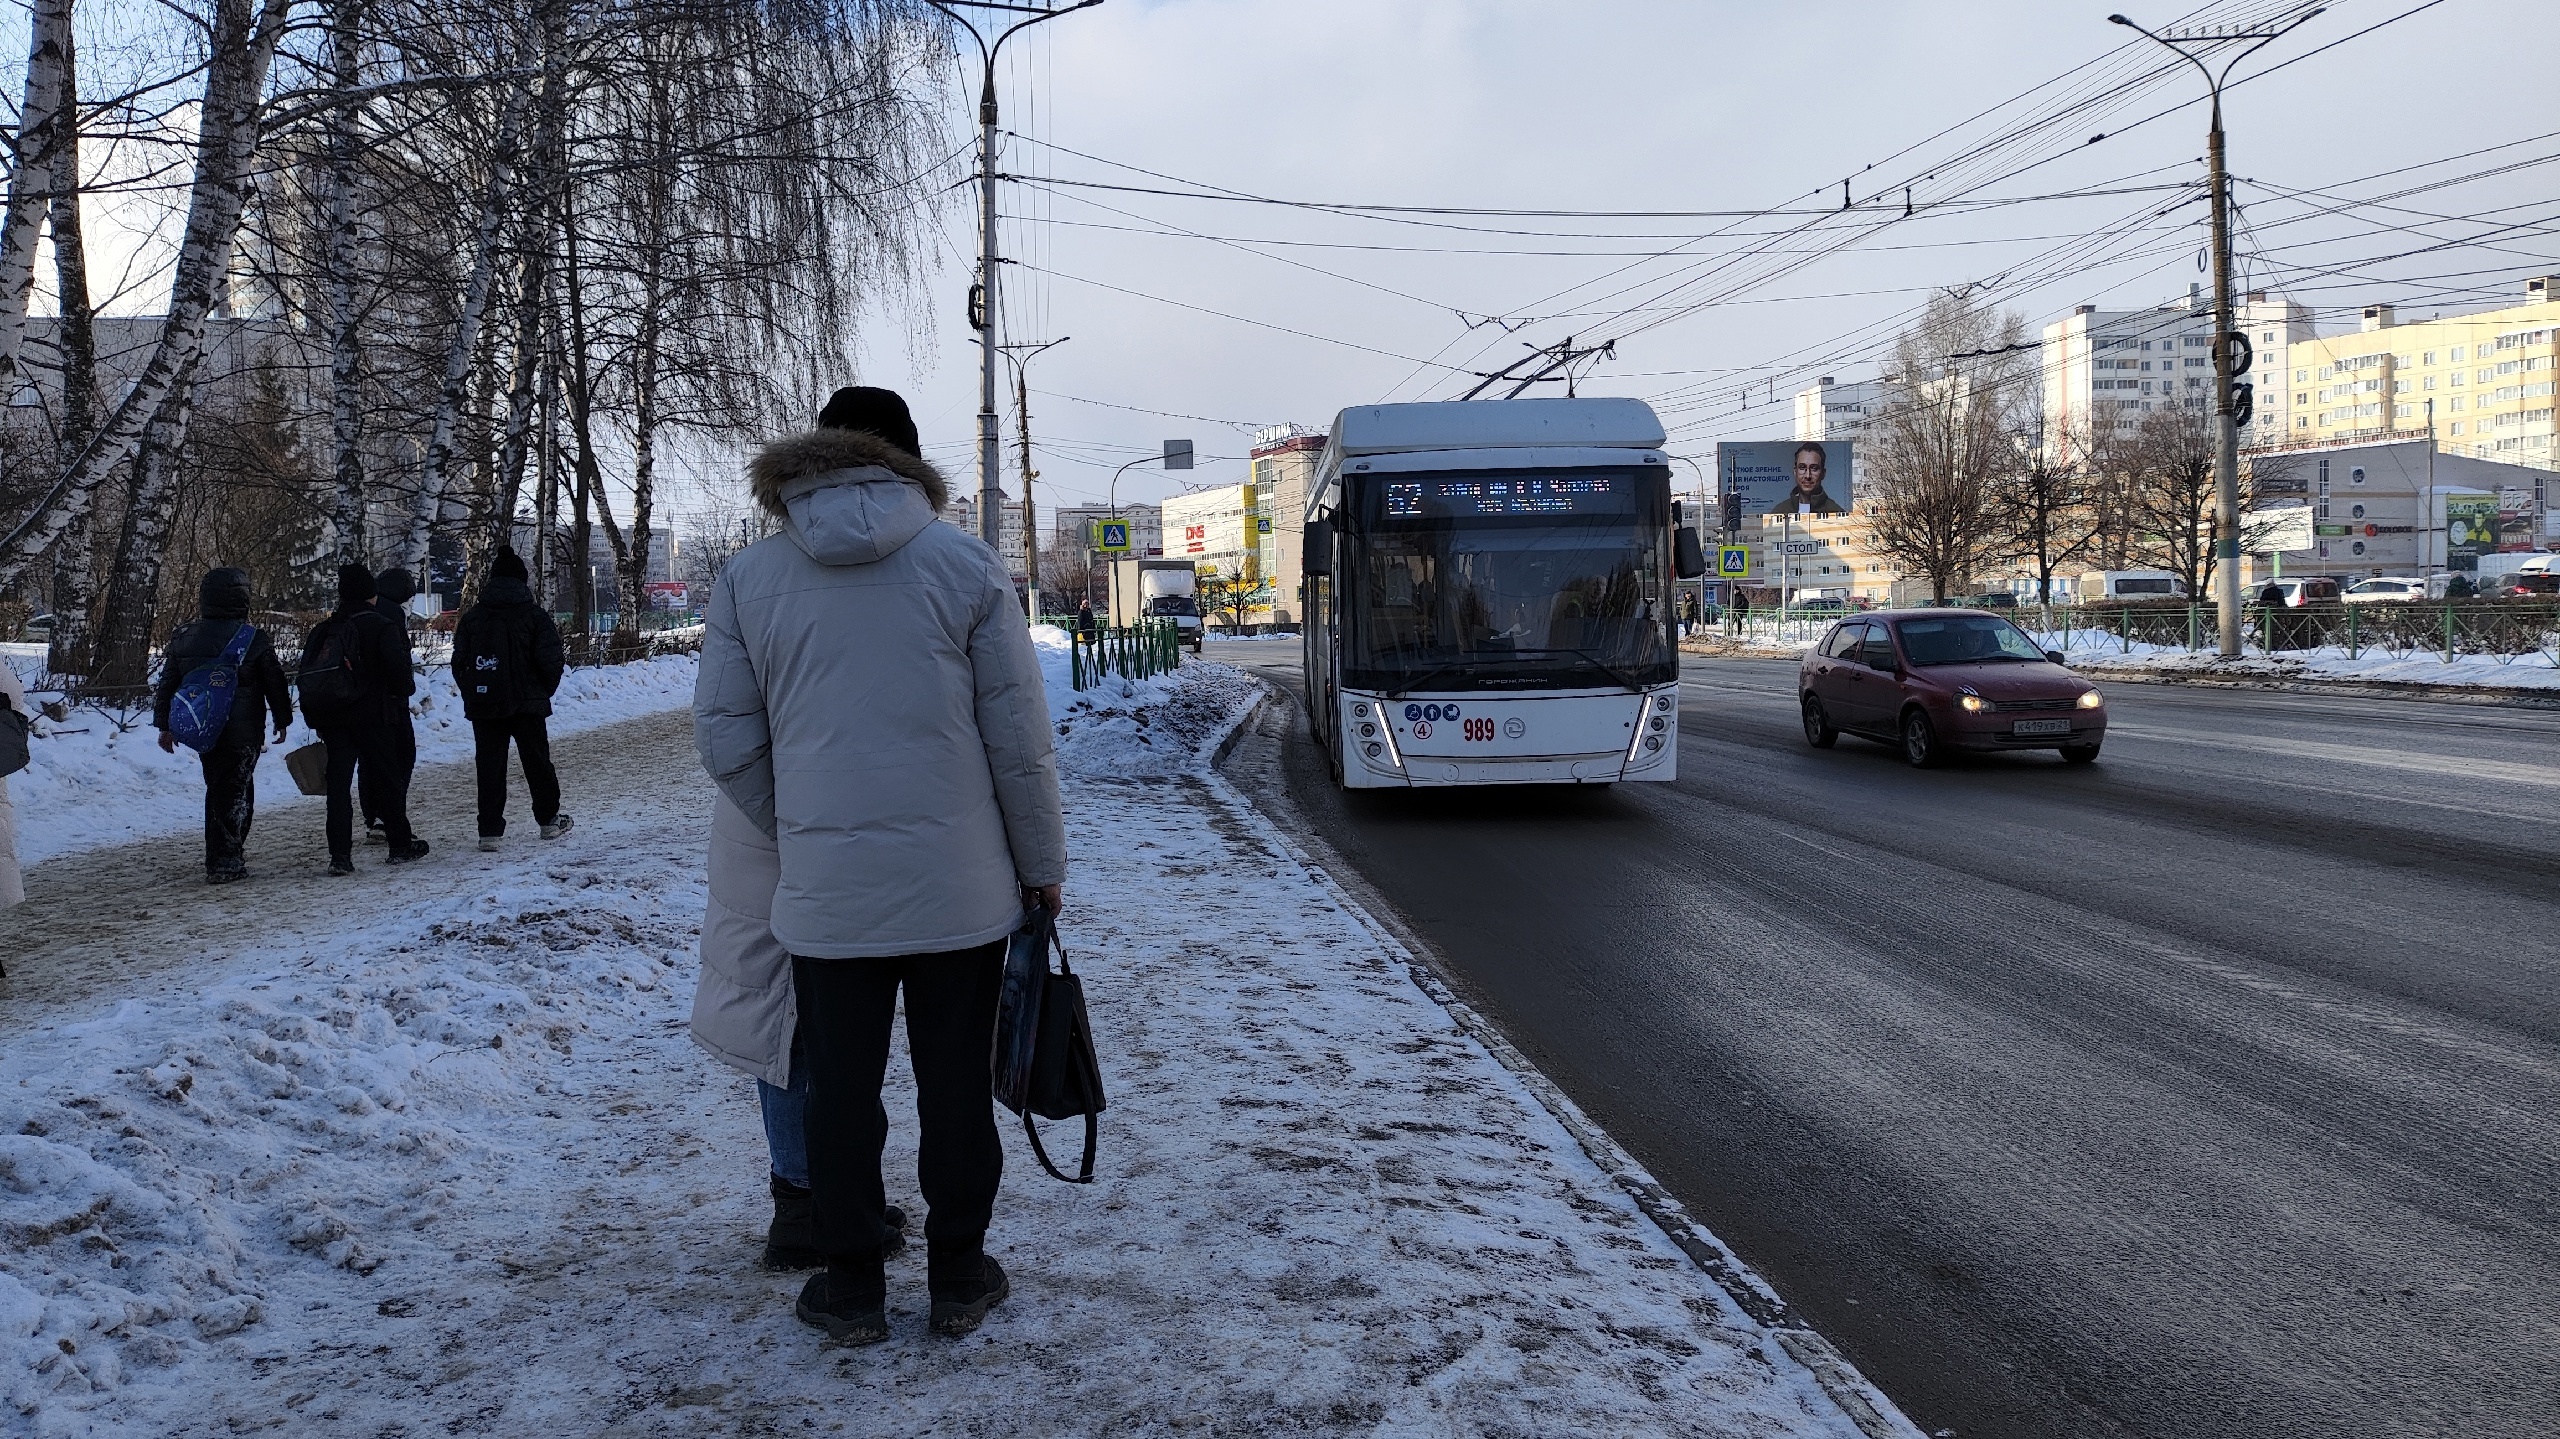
[(2104, 369), (2480, 383), (1827, 410), (1284, 464), (1074, 529)]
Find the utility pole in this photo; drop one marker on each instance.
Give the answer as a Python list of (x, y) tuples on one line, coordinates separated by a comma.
[(982, 296), (1030, 516), (2230, 347)]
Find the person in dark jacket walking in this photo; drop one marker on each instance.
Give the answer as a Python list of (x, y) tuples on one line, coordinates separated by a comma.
[(231, 765), (356, 678), (391, 591), (507, 660)]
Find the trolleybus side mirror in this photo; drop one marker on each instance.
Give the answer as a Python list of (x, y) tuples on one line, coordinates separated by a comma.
[(1688, 557), (1316, 551)]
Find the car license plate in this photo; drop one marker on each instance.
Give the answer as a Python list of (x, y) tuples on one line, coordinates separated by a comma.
[(2047, 726)]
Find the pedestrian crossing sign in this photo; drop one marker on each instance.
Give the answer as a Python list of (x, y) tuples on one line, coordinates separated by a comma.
[(1111, 536), (1733, 562)]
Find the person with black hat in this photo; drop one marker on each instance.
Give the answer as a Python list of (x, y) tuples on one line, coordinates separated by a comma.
[(507, 661), (355, 674), (391, 591), (223, 635), (869, 703)]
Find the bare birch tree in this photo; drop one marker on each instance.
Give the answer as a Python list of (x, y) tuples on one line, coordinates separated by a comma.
[(1946, 441)]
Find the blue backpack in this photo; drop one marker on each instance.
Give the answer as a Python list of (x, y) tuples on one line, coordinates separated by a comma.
[(201, 709)]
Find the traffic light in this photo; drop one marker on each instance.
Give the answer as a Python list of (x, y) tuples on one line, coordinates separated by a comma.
[(1732, 511)]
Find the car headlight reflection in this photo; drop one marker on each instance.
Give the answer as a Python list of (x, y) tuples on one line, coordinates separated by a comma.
[(2091, 699), (1973, 704)]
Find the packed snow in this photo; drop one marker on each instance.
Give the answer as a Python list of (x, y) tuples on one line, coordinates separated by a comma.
[(99, 777), (409, 1155)]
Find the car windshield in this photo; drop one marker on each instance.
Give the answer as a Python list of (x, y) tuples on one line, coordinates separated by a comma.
[(1458, 589), (1965, 640), (1173, 605)]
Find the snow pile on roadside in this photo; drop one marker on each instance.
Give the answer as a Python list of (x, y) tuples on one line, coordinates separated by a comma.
[(1138, 728), (453, 1165), (89, 784), (2097, 649)]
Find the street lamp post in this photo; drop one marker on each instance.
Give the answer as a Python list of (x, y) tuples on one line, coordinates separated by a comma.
[(982, 307), (1030, 512), (2228, 344), (1175, 455)]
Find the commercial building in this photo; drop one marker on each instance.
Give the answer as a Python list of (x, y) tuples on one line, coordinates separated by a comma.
[(2482, 381), (1284, 461), (2382, 507), (2104, 370), (1226, 532)]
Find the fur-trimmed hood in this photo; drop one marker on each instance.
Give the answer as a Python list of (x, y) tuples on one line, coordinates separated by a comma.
[(846, 497), (812, 454)]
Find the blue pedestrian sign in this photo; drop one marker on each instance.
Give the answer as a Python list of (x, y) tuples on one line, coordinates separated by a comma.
[(1733, 562), (1111, 536)]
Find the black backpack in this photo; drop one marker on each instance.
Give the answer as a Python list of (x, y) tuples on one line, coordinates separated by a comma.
[(331, 680)]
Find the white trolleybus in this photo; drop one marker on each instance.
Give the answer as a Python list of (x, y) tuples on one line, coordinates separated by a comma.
[(1489, 595)]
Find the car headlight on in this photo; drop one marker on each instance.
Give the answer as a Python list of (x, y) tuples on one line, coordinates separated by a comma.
[(2091, 699), (1973, 704)]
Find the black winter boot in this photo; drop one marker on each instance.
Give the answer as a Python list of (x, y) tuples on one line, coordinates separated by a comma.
[(965, 1285), (789, 1242), (849, 1299)]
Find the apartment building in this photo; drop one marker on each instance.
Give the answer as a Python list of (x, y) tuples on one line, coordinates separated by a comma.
[(1073, 532), (2104, 369), (1284, 461), (2480, 383)]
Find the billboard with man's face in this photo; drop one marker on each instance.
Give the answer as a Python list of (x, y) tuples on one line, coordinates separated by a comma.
[(1785, 477)]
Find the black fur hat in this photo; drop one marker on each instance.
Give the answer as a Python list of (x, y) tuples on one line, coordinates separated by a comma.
[(873, 411)]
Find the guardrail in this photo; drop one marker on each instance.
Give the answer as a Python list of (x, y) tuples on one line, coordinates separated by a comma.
[(1135, 652)]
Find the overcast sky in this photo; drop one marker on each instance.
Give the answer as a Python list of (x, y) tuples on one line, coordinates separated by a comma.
[(1728, 107)]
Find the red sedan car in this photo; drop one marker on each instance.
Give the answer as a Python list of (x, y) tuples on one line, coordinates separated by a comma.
[(1936, 681)]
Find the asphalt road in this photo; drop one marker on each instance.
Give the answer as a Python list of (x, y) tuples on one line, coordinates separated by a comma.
[(2213, 1089)]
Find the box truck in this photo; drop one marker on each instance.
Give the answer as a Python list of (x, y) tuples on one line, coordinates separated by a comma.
[(1157, 590)]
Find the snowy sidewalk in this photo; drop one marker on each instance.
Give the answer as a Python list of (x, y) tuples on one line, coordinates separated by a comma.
[(448, 1164)]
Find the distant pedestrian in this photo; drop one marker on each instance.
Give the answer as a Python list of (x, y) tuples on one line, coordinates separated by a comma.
[(507, 661), (222, 634), (745, 1015), (356, 671), (1085, 623), (391, 591), (12, 888), (869, 696)]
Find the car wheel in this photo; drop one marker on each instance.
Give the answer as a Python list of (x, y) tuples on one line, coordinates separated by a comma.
[(1817, 725), (1919, 739), (2079, 753)]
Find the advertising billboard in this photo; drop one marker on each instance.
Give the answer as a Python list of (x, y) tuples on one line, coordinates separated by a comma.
[(1786, 476), (2470, 529)]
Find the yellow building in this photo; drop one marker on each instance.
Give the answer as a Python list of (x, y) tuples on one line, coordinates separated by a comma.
[(2489, 376)]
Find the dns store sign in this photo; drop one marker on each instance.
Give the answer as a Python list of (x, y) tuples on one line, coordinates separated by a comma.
[(1195, 539)]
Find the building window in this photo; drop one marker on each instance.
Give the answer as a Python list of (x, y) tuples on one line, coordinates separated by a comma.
[(2431, 383), (2454, 354), (2457, 427), (2428, 359), (2302, 423), (2266, 337), (2401, 412), (2457, 379)]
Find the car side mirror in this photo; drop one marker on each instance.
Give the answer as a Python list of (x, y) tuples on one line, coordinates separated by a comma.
[(2054, 657), (1315, 551), (1688, 557)]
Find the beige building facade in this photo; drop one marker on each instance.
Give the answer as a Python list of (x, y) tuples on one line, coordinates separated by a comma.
[(2481, 383)]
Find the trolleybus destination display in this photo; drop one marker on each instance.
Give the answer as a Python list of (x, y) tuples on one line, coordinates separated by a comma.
[(1494, 496)]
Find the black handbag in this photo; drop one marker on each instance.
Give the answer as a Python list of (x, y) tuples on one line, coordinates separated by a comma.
[(1045, 1066), (13, 738)]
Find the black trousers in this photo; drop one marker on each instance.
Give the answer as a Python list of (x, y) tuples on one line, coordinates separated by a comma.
[(386, 785), (401, 742), (532, 736), (230, 799), (846, 1008)]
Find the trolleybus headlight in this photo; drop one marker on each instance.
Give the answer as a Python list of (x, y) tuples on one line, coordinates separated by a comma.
[(1359, 711), (1370, 749), (1367, 730), (2091, 699), (1662, 701), (1653, 741), (1973, 704), (1657, 722)]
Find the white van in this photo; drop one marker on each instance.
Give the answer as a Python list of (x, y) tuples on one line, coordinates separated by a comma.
[(2129, 585)]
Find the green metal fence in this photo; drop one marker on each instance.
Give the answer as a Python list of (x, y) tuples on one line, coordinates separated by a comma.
[(1134, 652), (2504, 631)]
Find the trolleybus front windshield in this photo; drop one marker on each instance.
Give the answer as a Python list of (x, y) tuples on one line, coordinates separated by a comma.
[(1510, 579)]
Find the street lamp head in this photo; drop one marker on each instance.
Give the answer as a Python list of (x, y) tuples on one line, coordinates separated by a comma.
[(2118, 20)]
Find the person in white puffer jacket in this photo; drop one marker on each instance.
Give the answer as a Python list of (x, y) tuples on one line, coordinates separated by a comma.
[(869, 697)]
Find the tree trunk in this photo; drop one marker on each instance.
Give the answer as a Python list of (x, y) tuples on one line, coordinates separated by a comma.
[(133, 595), (226, 138), (48, 56), (466, 337), (74, 561), (338, 288)]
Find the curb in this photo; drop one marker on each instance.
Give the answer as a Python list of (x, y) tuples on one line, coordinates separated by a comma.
[(2510, 695), (1866, 1406)]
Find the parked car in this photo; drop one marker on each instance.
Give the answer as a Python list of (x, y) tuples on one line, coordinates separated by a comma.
[(2384, 588), (1938, 681), (2525, 584), (1819, 607), (1996, 600), (2298, 593), (2129, 584)]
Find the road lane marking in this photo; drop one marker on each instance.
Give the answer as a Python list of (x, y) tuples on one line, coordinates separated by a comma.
[(2449, 766)]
